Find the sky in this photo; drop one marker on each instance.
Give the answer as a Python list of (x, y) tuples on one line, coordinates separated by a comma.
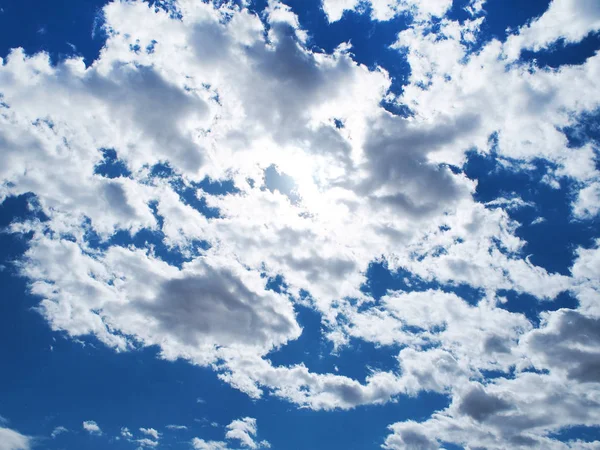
[(312, 224)]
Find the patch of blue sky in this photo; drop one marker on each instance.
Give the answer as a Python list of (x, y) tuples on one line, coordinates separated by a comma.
[(551, 244), (357, 360), (586, 130), (357, 429), (61, 29), (450, 446), (502, 17), (561, 53), (532, 307), (381, 280), (15, 210), (144, 239), (188, 190), (577, 433), (111, 166)]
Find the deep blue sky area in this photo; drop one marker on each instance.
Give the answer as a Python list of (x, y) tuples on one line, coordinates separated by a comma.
[(54, 27), (47, 379)]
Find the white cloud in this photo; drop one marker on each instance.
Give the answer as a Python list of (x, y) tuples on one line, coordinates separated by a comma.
[(511, 203), (13, 440), (243, 430), (587, 204), (58, 430), (200, 444), (570, 20), (518, 413), (145, 442), (92, 427), (150, 432), (176, 427), (538, 220)]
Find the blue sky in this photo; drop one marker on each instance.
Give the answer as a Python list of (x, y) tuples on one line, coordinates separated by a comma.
[(313, 224)]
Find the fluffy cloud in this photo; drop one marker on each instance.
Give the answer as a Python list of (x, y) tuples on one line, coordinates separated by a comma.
[(567, 20), (519, 413), (587, 204), (13, 440), (243, 430), (150, 432), (195, 310), (92, 427)]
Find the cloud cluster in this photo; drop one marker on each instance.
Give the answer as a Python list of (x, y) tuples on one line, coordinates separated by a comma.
[(243, 430), (387, 9), (326, 182)]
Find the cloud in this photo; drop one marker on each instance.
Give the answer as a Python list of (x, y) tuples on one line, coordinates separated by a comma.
[(13, 440), (176, 427), (150, 432), (479, 417), (587, 204), (411, 436), (568, 20), (479, 405), (57, 431), (92, 427), (195, 309), (243, 430), (386, 9), (567, 342), (146, 442), (200, 444)]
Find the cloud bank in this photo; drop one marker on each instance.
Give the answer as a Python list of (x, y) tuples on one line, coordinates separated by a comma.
[(200, 95)]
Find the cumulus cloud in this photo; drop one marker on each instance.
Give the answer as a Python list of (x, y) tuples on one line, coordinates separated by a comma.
[(515, 413), (243, 430), (567, 20), (13, 440), (587, 204), (150, 432), (92, 427)]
